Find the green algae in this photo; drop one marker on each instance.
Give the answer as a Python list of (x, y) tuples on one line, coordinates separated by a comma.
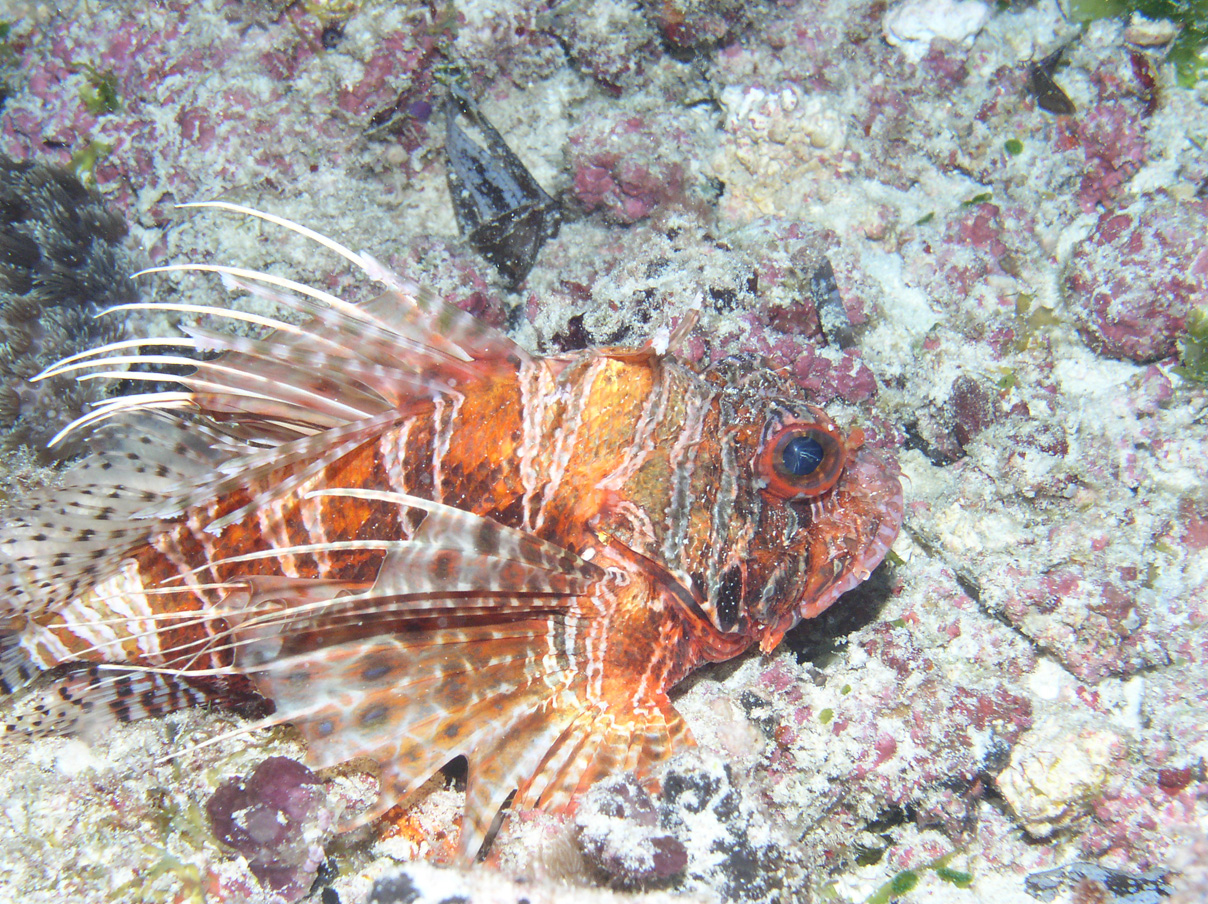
[(84, 161), (1188, 52), (954, 876), (99, 95), (1032, 320), (1193, 348), (908, 879)]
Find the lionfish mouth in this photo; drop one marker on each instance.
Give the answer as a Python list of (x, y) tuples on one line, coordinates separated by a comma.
[(872, 507)]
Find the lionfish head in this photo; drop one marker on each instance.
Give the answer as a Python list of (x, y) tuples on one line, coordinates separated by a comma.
[(814, 508)]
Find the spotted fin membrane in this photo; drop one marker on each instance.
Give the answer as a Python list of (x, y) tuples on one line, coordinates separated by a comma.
[(464, 637)]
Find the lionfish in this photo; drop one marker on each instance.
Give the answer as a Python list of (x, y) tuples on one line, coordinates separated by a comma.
[(420, 542)]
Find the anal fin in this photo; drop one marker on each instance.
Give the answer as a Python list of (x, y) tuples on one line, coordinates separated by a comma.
[(92, 699)]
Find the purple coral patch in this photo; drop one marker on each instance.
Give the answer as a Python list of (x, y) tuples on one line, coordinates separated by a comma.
[(1133, 282), (620, 835), (274, 819)]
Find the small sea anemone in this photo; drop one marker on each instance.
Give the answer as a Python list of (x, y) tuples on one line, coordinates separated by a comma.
[(61, 261)]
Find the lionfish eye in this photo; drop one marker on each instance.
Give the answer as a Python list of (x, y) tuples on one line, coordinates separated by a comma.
[(802, 460), (801, 455)]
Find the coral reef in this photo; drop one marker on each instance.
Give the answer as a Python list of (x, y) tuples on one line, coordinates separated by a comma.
[(1013, 312), (621, 835), (421, 883), (1055, 774), (611, 40), (1135, 281)]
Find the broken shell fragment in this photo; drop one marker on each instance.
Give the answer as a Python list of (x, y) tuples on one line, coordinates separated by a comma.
[(500, 208)]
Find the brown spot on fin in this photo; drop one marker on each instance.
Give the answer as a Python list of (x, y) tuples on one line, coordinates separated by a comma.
[(476, 640), (456, 551)]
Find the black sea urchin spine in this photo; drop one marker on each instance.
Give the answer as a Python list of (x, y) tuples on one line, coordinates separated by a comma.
[(61, 261)]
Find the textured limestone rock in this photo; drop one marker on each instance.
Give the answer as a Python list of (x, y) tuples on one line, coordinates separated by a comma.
[(1055, 774)]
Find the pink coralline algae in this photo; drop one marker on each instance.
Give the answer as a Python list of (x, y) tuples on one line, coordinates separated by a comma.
[(380, 76), (620, 835), (1112, 140), (1133, 282), (695, 24), (848, 378), (927, 751), (278, 819), (979, 226), (1092, 624), (895, 732), (615, 171)]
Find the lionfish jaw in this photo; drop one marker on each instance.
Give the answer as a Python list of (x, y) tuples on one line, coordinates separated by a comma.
[(775, 632), (874, 503)]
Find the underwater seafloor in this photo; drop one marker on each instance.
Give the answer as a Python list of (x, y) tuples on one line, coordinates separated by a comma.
[(1013, 708)]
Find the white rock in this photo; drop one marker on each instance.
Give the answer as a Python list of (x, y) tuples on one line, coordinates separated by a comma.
[(912, 24), (1143, 32), (1057, 770)]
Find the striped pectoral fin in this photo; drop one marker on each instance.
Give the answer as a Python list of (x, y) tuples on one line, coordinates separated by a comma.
[(506, 694), (473, 641), (415, 700), (601, 742)]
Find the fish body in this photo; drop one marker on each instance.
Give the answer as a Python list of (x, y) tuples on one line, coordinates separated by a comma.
[(419, 541)]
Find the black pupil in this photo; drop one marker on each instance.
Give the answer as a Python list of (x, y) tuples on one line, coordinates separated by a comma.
[(801, 455)]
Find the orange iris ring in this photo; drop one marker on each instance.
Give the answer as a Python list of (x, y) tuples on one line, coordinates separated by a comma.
[(786, 485)]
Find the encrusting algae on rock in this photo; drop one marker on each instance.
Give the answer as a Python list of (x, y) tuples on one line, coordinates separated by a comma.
[(417, 541)]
